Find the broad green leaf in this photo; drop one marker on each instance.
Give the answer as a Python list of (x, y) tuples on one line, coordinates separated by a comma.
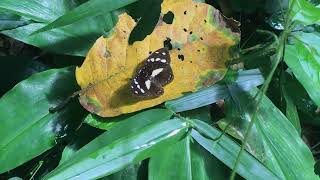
[(146, 116), (307, 108), (75, 39), (273, 139), (291, 109), (226, 150), (122, 145), (38, 10), (27, 128), (185, 160), (91, 8), (303, 58), (245, 80), (11, 21), (202, 113), (85, 134), (304, 12), (80, 138), (132, 172)]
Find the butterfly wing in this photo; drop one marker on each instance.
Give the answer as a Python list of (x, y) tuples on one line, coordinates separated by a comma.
[(155, 73)]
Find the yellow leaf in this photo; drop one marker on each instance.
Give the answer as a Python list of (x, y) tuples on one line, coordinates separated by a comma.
[(198, 32)]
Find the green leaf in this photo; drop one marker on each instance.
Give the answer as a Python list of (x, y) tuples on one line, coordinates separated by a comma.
[(226, 150), (11, 21), (303, 58), (146, 116), (122, 145), (246, 80), (185, 160), (304, 12), (81, 137), (75, 39), (273, 139), (27, 128), (291, 109), (91, 8), (132, 172), (307, 108), (38, 10)]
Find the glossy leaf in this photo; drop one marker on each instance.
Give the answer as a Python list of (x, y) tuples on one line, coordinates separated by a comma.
[(122, 145), (146, 116), (291, 109), (185, 160), (64, 40), (75, 39), (38, 10), (132, 172), (245, 80), (10, 21), (204, 41), (273, 139), (226, 150), (307, 108), (303, 58), (88, 9), (27, 128), (304, 12)]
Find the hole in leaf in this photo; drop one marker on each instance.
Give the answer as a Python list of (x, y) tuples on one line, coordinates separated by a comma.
[(185, 12), (190, 32), (201, 38), (185, 30), (147, 14), (181, 57), (167, 44), (168, 17)]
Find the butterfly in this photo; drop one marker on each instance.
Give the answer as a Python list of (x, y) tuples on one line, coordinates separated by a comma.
[(153, 75)]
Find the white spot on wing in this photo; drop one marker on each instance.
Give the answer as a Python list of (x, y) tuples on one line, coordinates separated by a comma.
[(136, 92), (138, 86), (142, 91), (157, 52), (135, 81), (148, 84), (158, 59), (131, 86), (163, 61), (152, 59), (156, 72), (163, 53)]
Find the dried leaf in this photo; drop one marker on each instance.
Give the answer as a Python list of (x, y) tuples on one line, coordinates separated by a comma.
[(198, 33)]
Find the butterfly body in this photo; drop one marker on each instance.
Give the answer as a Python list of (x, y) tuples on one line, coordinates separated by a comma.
[(153, 75)]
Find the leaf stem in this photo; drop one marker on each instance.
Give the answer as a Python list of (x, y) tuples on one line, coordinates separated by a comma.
[(279, 56)]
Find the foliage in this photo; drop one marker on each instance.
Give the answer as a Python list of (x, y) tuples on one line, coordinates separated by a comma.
[(233, 127)]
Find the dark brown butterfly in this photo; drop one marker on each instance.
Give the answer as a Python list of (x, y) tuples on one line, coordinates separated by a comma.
[(153, 75)]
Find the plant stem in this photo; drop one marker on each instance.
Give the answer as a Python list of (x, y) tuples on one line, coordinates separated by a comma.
[(262, 91)]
